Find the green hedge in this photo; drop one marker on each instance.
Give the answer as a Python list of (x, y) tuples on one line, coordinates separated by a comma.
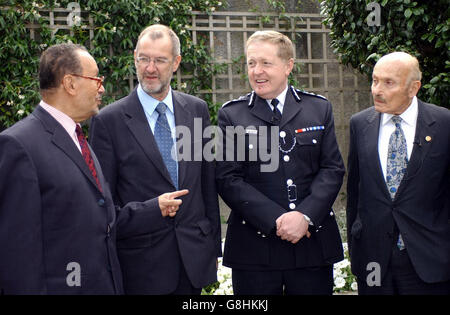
[(421, 28)]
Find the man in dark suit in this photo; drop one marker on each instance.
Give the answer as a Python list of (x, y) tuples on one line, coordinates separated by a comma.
[(398, 186), (179, 254), (274, 208), (58, 223)]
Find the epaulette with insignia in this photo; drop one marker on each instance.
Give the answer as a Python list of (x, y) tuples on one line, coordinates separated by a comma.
[(312, 94), (241, 98)]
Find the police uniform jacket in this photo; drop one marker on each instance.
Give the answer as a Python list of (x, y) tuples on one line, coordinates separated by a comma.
[(308, 179)]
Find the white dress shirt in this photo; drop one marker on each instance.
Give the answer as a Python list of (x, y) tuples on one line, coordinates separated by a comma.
[(387, 126), (281, 98)]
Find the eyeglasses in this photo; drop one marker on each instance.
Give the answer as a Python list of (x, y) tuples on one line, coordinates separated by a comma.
[(158, 62), (98, 79)]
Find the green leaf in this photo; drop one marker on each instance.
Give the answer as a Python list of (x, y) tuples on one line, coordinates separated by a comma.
[(408, 13)]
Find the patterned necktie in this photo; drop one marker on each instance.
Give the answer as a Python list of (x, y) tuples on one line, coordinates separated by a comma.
[(397, 162), (163, 137), (87, 154), (276, 111)]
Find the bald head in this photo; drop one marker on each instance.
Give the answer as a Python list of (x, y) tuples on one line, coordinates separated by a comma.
[(406, 61), (395, 81)]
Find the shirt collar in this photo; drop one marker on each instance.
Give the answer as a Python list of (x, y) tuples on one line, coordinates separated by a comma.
[(149, 103), (68, 123), (409, 116), (281, 98)]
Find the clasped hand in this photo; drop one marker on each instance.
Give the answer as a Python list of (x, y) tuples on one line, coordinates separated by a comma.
[(292, 226), (168, 204)]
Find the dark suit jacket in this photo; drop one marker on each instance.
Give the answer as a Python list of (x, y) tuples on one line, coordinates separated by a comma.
[(421, 207), (258, 198), (52, 214), (130, 158)]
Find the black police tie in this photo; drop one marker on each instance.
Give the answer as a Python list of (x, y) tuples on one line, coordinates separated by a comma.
[(276, 112)]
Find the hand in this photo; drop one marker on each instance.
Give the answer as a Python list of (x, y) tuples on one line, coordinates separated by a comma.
[(168, 204), (292, 226)]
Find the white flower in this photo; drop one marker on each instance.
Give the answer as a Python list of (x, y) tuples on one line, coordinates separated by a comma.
[(354, 286), (114, 29), (219, 4), (9, 103), (156, 19), (21, 96), (213, 9), (20, 112), (339, 282)]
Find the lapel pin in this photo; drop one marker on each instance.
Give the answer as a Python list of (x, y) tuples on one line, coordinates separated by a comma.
[(427, 138)]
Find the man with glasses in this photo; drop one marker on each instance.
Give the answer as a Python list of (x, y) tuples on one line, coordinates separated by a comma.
[(135, 141), (58, 223)]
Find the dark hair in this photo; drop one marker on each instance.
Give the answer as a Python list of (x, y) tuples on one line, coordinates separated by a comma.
[(57, 61)]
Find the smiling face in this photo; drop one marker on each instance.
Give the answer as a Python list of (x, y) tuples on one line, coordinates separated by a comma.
[(394, 84), (155, 64), (267, 72)]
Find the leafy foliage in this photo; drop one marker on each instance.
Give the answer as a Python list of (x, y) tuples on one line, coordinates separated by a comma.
[(420, 28), (117, 27)]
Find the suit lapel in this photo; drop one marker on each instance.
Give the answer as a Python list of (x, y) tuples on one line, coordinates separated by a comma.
[(371, 133), (290, 110), (262, 110), (424, 130), (62, 140), (138, 124)]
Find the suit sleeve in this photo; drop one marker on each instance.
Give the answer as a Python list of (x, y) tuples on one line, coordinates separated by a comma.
[(209, 189), (328, 180), (21, 251), (102, 144), (138, 218), (244, 199), (352, 183)]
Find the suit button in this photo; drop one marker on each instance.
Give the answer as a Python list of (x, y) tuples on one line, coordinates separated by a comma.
[(101, 202), (243, 221), (259, 232), (331, 214), (263, 235)]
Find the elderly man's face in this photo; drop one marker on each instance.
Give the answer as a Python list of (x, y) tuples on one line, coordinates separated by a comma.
[(392, 89)]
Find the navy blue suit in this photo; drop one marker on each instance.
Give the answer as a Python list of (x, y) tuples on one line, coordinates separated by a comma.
[(421, 208), (130, 158), (53, 214)]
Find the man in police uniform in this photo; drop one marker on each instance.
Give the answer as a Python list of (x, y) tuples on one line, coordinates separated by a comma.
[(282, 236)]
